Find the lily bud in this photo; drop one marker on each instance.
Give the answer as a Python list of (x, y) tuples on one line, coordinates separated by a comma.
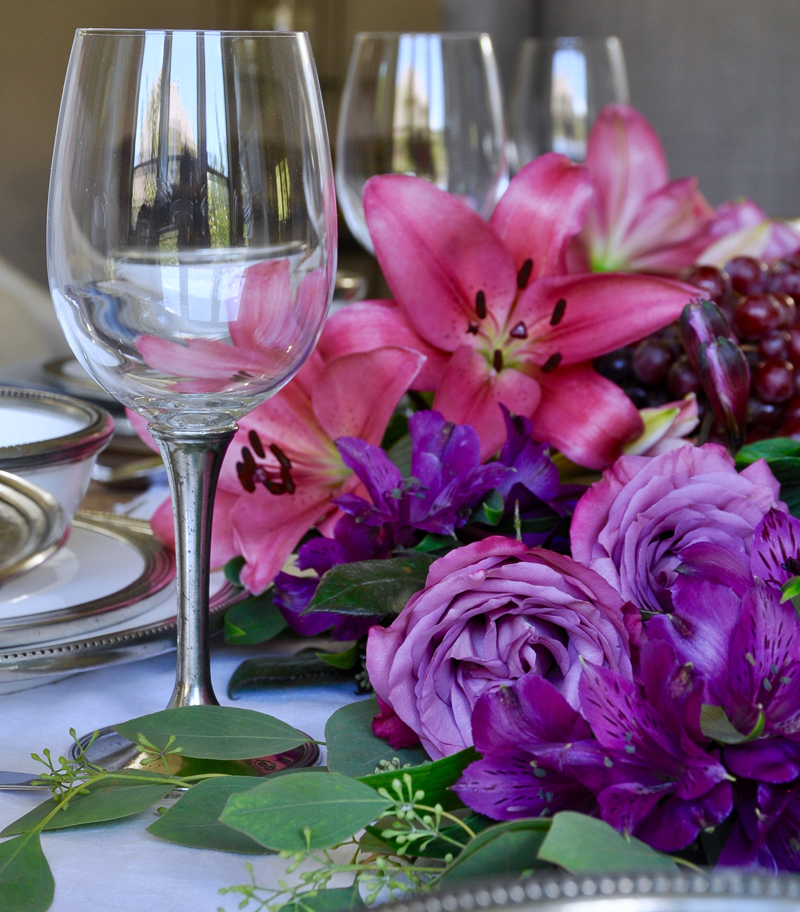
[(725, 375), (702, 321)]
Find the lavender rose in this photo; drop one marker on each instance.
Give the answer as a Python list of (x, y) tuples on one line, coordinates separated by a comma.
[(632, 526), (491, 612)]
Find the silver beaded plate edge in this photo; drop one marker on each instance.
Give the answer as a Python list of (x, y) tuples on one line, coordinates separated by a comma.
[(727, 891), (31, 666)]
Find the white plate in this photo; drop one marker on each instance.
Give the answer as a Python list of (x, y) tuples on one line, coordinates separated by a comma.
[(111, 570)]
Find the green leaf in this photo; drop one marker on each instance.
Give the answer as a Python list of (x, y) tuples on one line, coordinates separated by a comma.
[(253, 621), (344, 660), (433, 542), (505, 848), (790, 589), (715, 724), (771, 449), (270, 671), (352, 748), (434, 778), (107, 799), (790, 495), (372, 587), (337, 899), (395, 429), (585, 844), (26, 882), (194, 819), (298, 812), (215, 732), (233, 571)]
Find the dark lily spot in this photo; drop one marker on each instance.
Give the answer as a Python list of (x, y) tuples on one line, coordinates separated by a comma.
[(498, 360), (282, 458), (524, 273), (480, 305), (552, 363), (255, 443), (558, 312), (473, 328), (519, 331)]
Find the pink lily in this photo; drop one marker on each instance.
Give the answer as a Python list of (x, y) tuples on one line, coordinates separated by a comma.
[(265, 326), (497, 316), (744, 229), (639, 221), (284, 452)]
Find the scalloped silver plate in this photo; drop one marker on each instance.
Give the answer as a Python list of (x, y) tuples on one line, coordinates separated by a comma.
[(726, 891)]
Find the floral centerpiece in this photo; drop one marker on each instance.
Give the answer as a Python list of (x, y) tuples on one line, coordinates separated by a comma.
[(578, 615)]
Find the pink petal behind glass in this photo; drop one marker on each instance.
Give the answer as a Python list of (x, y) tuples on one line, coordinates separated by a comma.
[(542, 209), (437, 255)]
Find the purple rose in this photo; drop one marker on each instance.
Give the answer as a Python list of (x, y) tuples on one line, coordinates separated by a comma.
[(490, 613), (633, 525)]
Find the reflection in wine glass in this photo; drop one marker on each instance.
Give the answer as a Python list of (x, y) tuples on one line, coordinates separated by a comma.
[(559, 88), (428, 105), (191, 252)]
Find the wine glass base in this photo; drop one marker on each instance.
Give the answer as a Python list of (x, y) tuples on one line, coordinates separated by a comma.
[(110, 751)]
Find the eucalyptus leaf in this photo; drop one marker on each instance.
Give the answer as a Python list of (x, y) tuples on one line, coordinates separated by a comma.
[(107, 799), (194, 819), (506, 848), (215, 732), (337, 899), (352, 748), (26, 881), (434, 779), (582, 844), (269, 671), (254, 621), (373, 587), (298, 812), (233, 571)]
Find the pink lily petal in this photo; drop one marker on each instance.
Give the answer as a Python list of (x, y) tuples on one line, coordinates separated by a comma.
[(603, 312), (751, 240), (544, 207), (367, 325), (355, 395), (783, 241), (471, 392), (141, 427), (223, 547), (627, 163), (265, 299), (437, 255), (585, 416), (268, 530), (667, 233)]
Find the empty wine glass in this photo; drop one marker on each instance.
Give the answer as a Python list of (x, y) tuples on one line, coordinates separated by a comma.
[(191, 252), (428, 105), (559, 88)]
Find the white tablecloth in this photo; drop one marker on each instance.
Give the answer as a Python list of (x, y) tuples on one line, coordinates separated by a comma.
[(118, 866)]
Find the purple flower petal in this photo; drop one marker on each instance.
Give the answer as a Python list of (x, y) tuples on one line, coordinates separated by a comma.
[(775, 558)]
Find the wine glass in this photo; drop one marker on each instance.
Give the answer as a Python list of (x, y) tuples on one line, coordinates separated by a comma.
[(191, 253), (559, 88), (423, 104)]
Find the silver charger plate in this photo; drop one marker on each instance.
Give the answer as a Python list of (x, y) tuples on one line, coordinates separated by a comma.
[(32, 525), (116, 561)]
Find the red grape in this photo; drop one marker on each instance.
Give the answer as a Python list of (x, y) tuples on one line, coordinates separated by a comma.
[(794, 345), (773, 381), (784, 277), (774, 345), (682, 379), (747, 275), (764, 415), (755, 315), (709, 280), (788, 309), (791, 411), (651, 361)]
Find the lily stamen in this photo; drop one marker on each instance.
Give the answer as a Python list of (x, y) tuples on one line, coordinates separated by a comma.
[(558, 312), (497, 360), (552, 363), (524, 274), (480, 305)]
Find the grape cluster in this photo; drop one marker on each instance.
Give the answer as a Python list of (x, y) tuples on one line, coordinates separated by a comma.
[(760, 304)]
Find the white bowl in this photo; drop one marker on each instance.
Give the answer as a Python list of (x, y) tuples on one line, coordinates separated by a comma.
[(52, 441)]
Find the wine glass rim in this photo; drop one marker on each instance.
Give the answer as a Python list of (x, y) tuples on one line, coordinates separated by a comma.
[(570, 40), (477, 36), (222, 33)]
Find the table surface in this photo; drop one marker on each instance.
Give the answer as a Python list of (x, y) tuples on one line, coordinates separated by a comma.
[(119, 865)]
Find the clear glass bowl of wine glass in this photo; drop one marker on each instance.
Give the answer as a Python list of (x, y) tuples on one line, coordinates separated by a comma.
[(423, 104)]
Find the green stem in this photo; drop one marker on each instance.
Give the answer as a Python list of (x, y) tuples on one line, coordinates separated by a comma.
[(469, 831)]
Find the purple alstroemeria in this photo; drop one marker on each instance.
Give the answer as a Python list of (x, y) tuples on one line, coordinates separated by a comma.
[(352, 541), (447, 479), (531, 742), (776, 549), (659, 781), (720, 365), (765, 835)]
